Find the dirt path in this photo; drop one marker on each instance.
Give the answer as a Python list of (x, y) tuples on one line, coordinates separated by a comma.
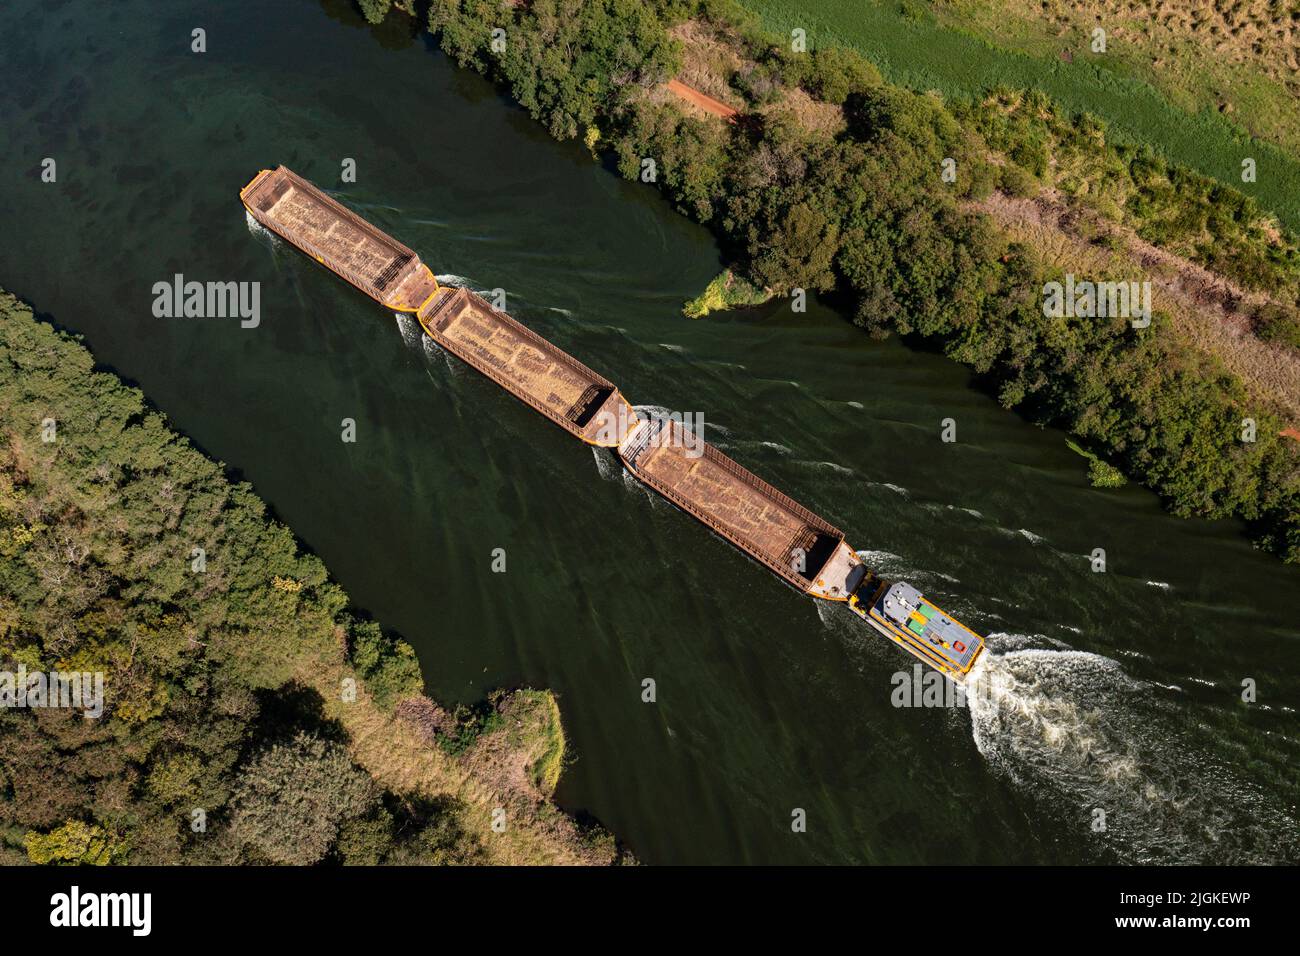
[(706, 103)]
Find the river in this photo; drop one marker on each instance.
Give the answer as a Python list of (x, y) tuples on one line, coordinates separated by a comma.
[(1118, 691)]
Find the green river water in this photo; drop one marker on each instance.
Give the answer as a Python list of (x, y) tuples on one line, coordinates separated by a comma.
[(1118, 691)]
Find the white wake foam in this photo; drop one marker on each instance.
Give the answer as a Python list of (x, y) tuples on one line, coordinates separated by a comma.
[(259, 230), (410, 329), (1094, 745), (605, 465), (435, 354)]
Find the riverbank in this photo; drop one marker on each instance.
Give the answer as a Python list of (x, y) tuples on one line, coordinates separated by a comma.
[(1203, 88), (249, 715), (763, 705), (873, 209)]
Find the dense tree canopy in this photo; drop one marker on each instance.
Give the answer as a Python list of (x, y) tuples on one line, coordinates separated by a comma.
[(292, 797), (210, 747)]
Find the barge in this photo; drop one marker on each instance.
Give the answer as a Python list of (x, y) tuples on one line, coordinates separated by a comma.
[(804, 550), (807, 552), (339, 239), (582, 402)]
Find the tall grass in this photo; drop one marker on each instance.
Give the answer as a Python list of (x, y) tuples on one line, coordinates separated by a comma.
[(913, 50)]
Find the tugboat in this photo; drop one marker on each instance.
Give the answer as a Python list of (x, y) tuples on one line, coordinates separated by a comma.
[(907, 617)]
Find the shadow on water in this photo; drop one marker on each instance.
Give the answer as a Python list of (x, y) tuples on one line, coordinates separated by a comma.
[(396, 32)]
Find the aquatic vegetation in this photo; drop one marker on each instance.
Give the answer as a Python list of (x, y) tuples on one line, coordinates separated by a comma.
[(726, 291)]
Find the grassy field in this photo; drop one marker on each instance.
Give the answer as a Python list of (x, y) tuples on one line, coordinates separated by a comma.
[(1238, 58), (941, 48)]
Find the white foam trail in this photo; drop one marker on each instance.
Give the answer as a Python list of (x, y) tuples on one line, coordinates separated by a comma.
[(858, 405), (828, 466), (776, 447), (652, 411), (257, 229), (848, 628), (451, 278), (433, 352), (886, 562), (1078, 734), (1028, 718), (878, 556), (564, 312), (1160, 584), (410, 329), (640, 488), (605, 466), (1001, 641), (1030, 536)]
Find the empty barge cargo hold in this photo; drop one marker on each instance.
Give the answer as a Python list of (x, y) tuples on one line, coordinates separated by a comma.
[(805, 551), (339, 239), (802, 548), (529, 367)]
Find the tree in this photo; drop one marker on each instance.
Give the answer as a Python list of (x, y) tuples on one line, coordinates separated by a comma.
[(75, 843), (375, 10), (293, 797)]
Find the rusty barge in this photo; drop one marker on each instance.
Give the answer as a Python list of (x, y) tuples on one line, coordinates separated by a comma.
[(804, 550)]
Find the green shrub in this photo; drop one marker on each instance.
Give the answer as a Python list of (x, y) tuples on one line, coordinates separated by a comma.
[(838, 71), (726, 291), (292, 798), (75, 843), (1277, 323), (388, 666), (471, 722), (375, 10), (1104, 475)]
